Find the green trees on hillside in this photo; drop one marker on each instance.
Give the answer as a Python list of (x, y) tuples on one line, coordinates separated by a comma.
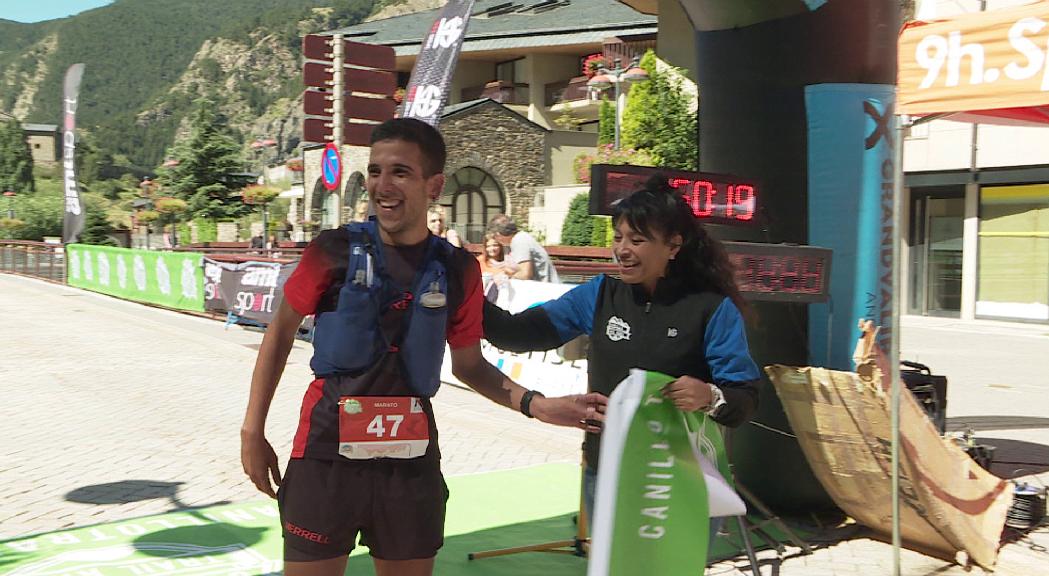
[(659, 118), (16, 160), (206, 164), (135, 52)]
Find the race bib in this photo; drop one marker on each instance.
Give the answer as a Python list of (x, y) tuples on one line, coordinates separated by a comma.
[(382, 427)]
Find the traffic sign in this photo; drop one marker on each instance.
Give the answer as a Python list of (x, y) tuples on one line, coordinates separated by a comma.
[(320, 130), (331, 167), (318, 47)]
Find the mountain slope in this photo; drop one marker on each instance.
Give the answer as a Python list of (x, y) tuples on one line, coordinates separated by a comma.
[(138, 53)]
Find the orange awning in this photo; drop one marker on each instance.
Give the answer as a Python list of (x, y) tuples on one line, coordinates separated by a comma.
[(986, 66)]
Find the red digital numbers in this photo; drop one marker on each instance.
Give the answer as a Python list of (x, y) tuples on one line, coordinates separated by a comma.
[(706, 199), (716, 198)]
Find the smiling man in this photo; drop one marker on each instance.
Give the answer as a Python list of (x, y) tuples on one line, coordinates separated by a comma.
[(387, 296)]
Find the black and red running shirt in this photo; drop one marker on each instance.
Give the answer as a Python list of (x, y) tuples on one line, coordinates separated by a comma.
[(314, 285)]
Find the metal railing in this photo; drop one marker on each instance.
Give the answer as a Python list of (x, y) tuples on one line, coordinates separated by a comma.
[(37, 259)]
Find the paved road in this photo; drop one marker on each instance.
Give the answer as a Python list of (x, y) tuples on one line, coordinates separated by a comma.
[(114, 410)]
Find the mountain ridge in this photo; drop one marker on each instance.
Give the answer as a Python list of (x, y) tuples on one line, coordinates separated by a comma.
[(147, 60)]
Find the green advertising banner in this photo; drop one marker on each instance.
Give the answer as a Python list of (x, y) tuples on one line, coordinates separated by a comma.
[(658, 484), (171, 279)]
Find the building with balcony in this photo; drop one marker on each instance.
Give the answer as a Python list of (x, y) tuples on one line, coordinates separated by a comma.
[(520, 69)]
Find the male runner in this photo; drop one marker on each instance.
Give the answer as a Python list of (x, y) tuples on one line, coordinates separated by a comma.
[(387, 295)]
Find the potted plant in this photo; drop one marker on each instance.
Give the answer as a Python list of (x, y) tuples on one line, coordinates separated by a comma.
[(592, 64)]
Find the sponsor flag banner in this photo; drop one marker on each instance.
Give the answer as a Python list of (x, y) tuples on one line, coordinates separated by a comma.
[(851, 128), (73, 221), (990, 62), (658, 484), (171, 279), (250, 290), (431, 78)]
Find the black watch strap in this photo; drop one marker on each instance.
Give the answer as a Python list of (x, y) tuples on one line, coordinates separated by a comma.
[(526, 402)]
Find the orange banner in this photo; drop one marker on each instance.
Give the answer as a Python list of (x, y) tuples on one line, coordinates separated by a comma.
[(980, 61)]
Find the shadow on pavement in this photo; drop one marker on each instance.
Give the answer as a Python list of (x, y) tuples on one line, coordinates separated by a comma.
[(124, 492), (1016, 458), (9, 557), (127, 491), (978, 423), (452, 558), (201, 542)]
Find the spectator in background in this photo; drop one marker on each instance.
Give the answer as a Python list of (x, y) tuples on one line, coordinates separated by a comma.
[(530, 259), (436, 223), (492, 257), (257, 242)]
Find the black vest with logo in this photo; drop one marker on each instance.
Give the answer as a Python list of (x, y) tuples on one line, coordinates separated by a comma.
[(662, 333)]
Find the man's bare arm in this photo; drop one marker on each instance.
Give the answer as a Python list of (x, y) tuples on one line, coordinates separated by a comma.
[(579, 411), (257, 456), (525, 270)]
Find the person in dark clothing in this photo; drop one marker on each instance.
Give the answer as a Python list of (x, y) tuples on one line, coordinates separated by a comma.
[(674, 309)]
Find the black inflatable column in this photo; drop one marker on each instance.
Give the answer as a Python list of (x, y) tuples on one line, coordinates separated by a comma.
[(752, 124)]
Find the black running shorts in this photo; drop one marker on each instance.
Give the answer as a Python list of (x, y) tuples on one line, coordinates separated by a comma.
[(396, 506)]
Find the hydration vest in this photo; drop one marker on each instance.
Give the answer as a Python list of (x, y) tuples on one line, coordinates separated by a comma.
[(349, 339)]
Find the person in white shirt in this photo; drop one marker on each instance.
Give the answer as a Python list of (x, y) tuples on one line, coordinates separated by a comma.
[(531, 260)]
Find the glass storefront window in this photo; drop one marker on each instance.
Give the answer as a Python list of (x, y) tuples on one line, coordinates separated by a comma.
[(1013, 276), (936, 252)]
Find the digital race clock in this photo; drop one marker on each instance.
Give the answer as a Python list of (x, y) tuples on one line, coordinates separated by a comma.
[(781, 272), (714, 198)]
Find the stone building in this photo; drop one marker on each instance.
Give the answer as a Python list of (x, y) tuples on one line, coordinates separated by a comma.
[(43, 143), (519, 72)]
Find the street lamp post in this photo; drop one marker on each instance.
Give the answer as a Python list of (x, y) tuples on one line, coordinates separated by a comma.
[(142, 203), (10, 194), (606, 78)]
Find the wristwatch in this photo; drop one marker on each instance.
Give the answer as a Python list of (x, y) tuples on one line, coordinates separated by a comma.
[(717, 400), (526, 402)]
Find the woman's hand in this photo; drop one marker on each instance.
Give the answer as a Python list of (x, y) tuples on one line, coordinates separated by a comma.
[(689, 394), (586, 411)]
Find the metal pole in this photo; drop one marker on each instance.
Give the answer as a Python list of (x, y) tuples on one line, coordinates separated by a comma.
[(902, 123), (337, 88), (616, 74), (338, 114)]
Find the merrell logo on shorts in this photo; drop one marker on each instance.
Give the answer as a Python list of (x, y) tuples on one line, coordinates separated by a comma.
[(304, 533)]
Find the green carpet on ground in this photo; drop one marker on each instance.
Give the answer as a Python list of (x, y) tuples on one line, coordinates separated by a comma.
[(487, 511)]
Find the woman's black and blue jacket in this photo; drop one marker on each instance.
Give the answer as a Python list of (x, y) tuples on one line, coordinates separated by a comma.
[(676, 331)]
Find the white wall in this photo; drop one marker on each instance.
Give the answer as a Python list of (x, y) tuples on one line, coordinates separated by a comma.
[(947, 145), (549, 217), (540, 70)]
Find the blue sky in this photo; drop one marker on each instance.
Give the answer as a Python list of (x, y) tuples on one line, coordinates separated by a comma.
[(37, 10)]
